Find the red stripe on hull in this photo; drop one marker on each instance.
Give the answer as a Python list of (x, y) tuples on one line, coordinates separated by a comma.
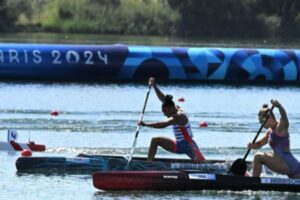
[(36, 147), (16, 146), (32, 146)]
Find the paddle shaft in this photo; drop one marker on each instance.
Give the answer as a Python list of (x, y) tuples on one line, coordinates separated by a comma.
[(138, 128), (258, 132)]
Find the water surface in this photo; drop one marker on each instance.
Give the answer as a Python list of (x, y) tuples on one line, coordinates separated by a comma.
[(101, 119)]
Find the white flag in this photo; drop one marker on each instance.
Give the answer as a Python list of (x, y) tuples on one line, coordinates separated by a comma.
[(12, 135)]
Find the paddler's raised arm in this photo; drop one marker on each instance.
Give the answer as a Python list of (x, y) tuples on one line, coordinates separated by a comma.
[(159, 94), (284, 122)]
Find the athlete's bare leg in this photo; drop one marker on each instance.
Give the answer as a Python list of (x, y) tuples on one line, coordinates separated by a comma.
[(166, 143), (273, 162)]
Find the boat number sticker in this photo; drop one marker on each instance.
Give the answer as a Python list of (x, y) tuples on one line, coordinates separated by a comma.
[(78, 160), (202, 176), (217, 166), (284, 181)]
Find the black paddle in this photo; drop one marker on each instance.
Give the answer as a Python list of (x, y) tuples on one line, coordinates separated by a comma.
[(239, 166), (138, 130)]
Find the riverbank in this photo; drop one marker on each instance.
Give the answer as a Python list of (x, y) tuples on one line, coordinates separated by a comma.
[(69, 38)]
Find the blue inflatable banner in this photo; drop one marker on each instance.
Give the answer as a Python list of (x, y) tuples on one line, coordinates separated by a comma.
[(138, 63)]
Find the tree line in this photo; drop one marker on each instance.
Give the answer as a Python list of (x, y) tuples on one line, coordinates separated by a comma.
[(188, 18)]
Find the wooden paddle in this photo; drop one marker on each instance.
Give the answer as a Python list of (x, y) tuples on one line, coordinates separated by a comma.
[(138, 129), (239, 166)]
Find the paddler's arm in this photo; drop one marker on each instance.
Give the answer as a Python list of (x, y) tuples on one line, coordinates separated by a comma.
[(159, 94), (259, 143), (284, 122), (161, 124)]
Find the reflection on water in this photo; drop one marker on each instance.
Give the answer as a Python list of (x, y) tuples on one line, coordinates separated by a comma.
[(204, 194)]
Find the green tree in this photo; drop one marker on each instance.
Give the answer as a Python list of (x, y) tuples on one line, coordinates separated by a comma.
[(287, 12), (7, 18), (216, 18)]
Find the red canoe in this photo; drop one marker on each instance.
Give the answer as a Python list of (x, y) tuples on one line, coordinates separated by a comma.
[(184, 180)]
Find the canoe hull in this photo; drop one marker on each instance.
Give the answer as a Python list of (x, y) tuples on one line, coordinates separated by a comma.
[(179, 180), (88, 164)]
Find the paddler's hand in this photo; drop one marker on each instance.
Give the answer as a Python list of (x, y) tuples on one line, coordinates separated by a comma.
[(152, 81), (275, 103), (253, 146), (250, 146), (141, 123)]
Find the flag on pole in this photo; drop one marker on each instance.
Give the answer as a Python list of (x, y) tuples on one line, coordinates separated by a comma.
[(12, 135)]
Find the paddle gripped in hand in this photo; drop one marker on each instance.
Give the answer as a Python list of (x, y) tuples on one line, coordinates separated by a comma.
[(138, 129), (239, 166)]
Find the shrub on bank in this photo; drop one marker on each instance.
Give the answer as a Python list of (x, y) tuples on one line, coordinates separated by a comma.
[(196, 18), (120, 17)]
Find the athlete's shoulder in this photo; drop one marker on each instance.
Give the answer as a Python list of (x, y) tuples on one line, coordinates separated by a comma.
[(180, 117)]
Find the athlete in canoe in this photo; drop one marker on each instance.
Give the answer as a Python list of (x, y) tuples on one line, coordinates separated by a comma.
[(281, 159), (184, 143)]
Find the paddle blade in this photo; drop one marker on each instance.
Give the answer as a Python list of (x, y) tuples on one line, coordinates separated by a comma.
[(239, 167)]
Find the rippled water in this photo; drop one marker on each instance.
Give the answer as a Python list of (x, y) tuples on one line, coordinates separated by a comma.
[(101, 119)]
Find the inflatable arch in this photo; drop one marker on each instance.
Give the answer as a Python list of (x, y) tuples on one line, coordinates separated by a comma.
[(136, 63)]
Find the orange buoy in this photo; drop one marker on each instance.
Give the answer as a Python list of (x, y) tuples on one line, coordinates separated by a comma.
[(203, 124), (54, 113), (181, 99), (26, 153)]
